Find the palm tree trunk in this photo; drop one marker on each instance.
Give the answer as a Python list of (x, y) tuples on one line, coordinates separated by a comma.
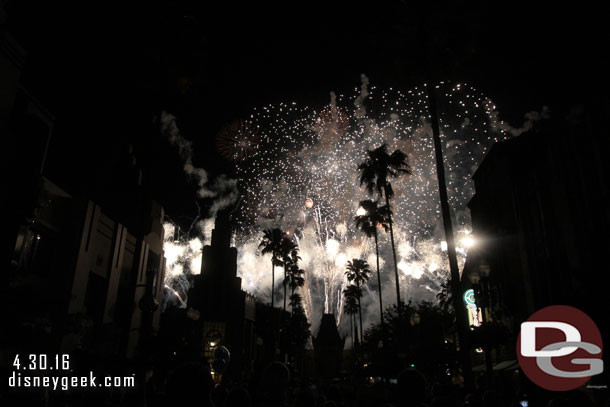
[(387, 201), (284, 288), (272, 282), (355, 328), (351, 329), (292, 306), (275, 323), (360, 315), (379, 283), (460, 310)]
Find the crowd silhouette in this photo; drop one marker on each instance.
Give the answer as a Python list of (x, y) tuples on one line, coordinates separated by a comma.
[(191, 384)]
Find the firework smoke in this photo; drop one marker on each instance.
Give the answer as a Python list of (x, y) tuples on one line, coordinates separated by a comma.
[(304, 179), (182, 260), (183, 252), (223, 190)]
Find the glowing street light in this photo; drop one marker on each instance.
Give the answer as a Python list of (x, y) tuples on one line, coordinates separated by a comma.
[(467, 242)]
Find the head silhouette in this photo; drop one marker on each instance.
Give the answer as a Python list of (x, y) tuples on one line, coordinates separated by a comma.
[(238, 397), (411, 387), (274, 381), (190, 381)]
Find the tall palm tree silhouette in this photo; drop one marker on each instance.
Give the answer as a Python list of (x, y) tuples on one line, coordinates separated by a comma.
[(358, 272), (375, 173), (290, 257), (368, 222), (272, 244), (294, 279), (296, 300), (350, 306)]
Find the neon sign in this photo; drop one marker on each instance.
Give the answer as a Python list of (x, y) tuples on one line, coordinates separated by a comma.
[(469, 299)]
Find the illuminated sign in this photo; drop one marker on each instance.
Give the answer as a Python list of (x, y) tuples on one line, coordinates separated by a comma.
[(474, 314), (469, 299)]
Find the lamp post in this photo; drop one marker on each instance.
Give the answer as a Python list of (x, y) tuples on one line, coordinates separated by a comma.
[(460, 312), (482, 299)]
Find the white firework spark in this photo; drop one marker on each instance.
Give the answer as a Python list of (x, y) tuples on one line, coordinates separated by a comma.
[(304, 179)]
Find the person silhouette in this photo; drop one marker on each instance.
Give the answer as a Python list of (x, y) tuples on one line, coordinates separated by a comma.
[(190, 384), (411, 388), (274, 384)]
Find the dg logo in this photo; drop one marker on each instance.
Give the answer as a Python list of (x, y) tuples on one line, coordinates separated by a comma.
[(559, 348)]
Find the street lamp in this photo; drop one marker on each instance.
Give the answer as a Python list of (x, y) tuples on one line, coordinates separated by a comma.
[(467, 242)]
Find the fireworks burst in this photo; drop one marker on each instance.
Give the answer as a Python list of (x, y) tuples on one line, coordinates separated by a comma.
[(312, 156), (182, 259), (297, 170), (238, 140)]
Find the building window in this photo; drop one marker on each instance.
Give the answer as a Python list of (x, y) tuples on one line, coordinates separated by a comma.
[(213, 337)]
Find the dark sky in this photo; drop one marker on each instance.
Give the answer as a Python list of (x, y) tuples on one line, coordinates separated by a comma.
[(207, 63)]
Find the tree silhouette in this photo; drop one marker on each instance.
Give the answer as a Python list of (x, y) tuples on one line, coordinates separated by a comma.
[(298, 329), (445, 297), (290, 258), (368, 223), (294, 279), (272, 244), (375, 173), (350, 306), (460, 311), (358, 272), (296, 300), (422, 331)]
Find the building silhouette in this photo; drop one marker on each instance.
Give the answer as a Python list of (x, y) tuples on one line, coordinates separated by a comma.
[(226, 313), (328, 348), (540, 217), (83, 240)]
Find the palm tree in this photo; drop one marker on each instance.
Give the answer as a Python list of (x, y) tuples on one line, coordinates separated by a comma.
[(294, 279), (296, 301), (298, 330), (271, 244), (460, 311), (358, 271), (289, 251), (375, 173), (350, 306), (444, 296), (368, 222)]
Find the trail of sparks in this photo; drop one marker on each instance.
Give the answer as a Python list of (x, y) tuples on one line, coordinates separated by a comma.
[(297, 169), (303, 178)]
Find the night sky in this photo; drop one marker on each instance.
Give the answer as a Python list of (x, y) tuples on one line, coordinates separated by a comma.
[(106, 70)]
